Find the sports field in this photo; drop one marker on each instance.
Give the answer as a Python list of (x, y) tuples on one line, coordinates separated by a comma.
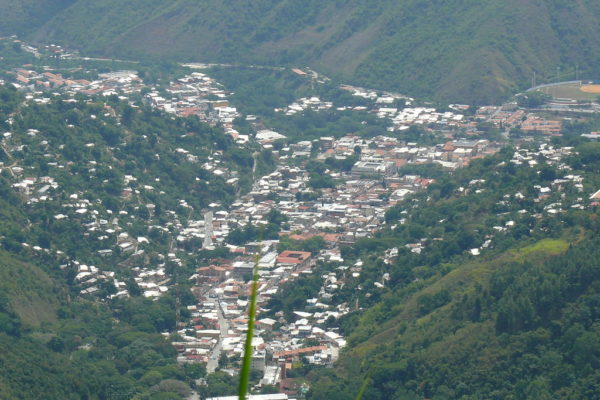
[(573, 91)]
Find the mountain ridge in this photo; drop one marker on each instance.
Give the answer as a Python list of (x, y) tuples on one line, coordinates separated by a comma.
[(464, 50)]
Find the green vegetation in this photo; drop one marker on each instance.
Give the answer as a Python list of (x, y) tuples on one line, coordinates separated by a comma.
[(312, 125), (260, 91), (219, 384), (504, 329), (293, 295), (54, 341), (313, 245), (81, 351), (251, 232), (519, 321), (92, 150), (22, 16), (567, 91), (318, 179), (532, 99), (442, 51), (248, 348), (430, 170)]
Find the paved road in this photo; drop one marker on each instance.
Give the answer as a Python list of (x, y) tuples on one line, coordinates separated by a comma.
[(213, 361), (255, 156), (494, 114)]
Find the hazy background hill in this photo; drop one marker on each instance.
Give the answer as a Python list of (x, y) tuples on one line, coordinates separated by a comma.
[(19, 16), (461, 50)]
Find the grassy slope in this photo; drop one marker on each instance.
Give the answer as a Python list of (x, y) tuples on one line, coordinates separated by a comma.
[(29, 369), (459, 281), (463, 50), (413, 351), (33, 295)]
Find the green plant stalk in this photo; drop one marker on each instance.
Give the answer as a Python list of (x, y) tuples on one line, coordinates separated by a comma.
[(365, 385), (247, 361)]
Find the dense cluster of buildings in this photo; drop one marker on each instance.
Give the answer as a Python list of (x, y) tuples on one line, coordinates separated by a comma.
[(219, 321), (200, 95), (106, 84), (353, 207), (306, 103)]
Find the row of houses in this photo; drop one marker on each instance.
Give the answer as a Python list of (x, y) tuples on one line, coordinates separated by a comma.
[(111, 83)]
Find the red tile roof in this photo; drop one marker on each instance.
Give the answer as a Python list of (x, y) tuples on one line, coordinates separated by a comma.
[(304, 350), (293, 257)]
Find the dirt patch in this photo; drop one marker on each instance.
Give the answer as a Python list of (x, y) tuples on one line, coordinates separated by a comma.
[(591, 88)]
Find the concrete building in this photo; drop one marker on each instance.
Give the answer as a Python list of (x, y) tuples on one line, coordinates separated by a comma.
[(372, 167)]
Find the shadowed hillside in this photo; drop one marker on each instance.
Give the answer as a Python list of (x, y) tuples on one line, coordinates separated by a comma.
[(464, 50)]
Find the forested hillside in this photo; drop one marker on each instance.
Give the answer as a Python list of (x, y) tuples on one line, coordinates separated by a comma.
[(518, 320), (463, 50), (482, 284), (77, 177), (20, 16), (522, 326)]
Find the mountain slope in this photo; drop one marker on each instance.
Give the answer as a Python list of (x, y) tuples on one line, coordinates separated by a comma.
[(464, 348), (24, 16), (66, 164), (519, 320), (463, 50), (29, 292)]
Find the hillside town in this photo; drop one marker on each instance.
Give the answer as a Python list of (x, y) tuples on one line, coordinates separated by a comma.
[(308, 191)]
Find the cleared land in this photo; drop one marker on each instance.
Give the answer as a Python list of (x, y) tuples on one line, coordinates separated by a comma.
[(591, 88), (573, 91)]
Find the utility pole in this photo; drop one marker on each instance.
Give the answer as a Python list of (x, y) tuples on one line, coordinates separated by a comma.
[(557, 74), (533, 80)]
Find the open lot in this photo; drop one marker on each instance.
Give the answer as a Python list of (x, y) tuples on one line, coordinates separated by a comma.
[(590, 88), (573, 91)]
